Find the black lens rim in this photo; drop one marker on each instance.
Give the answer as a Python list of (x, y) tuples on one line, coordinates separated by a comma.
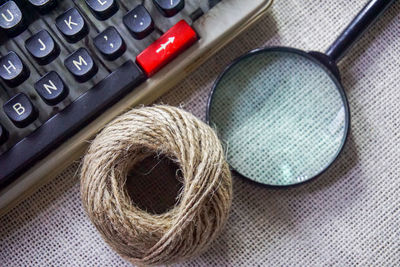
[(334, 77)]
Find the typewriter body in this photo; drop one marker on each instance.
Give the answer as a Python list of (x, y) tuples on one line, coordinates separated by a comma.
[(67, 67)]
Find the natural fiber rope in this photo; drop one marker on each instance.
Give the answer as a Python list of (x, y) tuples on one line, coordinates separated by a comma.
[(204, 203)]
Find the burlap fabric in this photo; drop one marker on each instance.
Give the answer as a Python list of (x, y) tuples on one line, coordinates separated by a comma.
[(348, 216)]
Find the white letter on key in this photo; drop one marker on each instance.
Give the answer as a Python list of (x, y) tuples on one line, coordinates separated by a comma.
[(79, 63), (102, 3), (11, 16), (43, 45), (11, 66), (51, 86), (19, 109), (70, 22)]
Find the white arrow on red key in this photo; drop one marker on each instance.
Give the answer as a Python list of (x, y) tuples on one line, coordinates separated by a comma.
[(164, 46), (177, 39)]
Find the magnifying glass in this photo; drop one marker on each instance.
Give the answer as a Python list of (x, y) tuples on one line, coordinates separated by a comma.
[(282, 113)]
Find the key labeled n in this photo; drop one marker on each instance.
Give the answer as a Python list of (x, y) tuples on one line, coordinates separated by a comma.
[(50, 86)]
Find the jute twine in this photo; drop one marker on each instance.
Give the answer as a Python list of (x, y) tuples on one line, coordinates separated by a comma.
[(204, 202)]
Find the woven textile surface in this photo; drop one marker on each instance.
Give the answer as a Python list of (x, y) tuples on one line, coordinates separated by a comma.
[(348, 216)]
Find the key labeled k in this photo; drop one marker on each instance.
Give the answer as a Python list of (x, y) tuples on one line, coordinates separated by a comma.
[(69, 22), (72, 25)]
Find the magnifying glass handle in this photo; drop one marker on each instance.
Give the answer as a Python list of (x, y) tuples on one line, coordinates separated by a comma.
[(367, 16)]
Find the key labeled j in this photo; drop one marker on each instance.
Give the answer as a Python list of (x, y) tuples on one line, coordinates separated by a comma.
[(42, 47)]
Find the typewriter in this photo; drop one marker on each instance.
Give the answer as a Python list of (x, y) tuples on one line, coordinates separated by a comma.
[(67, 67)]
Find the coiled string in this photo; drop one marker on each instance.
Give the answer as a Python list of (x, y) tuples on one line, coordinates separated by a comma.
[(203, 204)]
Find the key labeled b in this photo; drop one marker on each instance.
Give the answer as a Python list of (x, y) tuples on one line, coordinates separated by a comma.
[(51, 88), (20, 110)]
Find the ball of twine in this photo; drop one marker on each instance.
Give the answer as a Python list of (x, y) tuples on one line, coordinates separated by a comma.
[(204, 202)]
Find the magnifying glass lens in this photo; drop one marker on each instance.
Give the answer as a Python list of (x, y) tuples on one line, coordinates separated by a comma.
[(281, 116)]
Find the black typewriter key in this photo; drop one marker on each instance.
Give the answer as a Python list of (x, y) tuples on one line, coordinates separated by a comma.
[(195, 15), (42, 47), (51, 88), (72, 25), (139, 22), (169, 8), (12, 70), (81, 65), (43, 6), (20, 111), (102, 9), (11, 20), (110, 43), (3, 135)]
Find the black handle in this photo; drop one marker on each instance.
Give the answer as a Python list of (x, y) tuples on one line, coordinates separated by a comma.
[(367, 16)]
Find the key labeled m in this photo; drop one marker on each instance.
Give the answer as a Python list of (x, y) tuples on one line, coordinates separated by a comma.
[(50, 87), (79, 63)]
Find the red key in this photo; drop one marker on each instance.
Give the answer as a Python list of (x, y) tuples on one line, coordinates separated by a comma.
[(177, 39)]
